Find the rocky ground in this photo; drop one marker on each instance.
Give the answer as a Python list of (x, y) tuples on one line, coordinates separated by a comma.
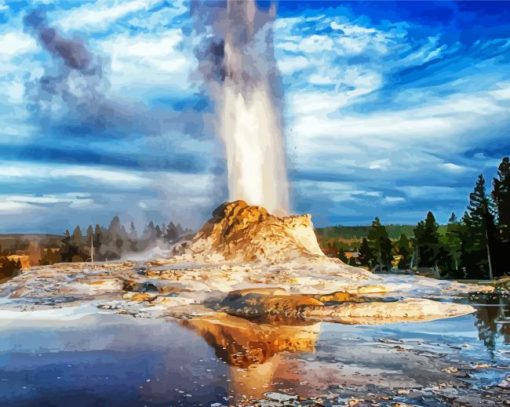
[(247, 263)]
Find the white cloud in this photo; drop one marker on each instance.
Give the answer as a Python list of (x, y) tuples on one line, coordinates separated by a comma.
[(14, 44), (9, 207), (454, 167), (150, 61), (289, 65), (55, 172), (315, 43), (379, 164), (101, 13), (393, 199), (28, 203)]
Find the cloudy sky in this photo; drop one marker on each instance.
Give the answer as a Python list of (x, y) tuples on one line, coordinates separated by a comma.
[(391, 109)]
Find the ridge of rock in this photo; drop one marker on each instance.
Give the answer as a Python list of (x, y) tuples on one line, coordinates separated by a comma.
[(241, 232)]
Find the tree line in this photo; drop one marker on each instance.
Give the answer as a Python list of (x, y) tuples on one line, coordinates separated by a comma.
[(111, 243), (475, 246), (8, 267)]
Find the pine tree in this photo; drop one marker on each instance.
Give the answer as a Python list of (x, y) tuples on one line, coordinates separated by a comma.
[(403, 248), (98, 236), (380, 244), (76, 245), (149, 234), (90, 235), (133, 234), (480, 225), (501, 197), (171, 233), (159, 232), (342, 256), (426, 236), (452, 244), (365, 254), (65, 249), (89, 242), (77, 238)]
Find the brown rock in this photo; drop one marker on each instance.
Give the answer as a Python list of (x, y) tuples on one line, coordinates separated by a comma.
[(238, 231), (253, 305)]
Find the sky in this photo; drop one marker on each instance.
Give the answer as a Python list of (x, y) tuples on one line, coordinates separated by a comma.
[(391, 109)]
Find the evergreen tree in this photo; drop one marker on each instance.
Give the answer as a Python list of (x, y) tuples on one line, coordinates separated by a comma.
[(451, 243), (90, 236), (171, 233), (76, 245), (89, 241), (98, 236), (117, 236), (342, 256), (77, 238), (133, 235), (149, 234), (403, 248), (427, 241), (380, 244), (480, 226), (158, 232), (501, 197), (366, 257), (65, 250)]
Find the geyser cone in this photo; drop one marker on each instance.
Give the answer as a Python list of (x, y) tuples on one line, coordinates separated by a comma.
[(239, 67), (240, 232)]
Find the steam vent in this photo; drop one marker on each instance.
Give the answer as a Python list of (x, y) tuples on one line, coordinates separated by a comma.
[(244, 233)]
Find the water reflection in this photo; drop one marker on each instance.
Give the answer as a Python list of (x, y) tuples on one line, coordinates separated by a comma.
[(252, 350), (493, 321), (120, 361)]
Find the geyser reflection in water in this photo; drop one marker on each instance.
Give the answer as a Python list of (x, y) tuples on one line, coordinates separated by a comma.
[(238, 66), (253, 351)]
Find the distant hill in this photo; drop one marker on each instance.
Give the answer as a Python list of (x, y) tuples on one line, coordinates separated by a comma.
[(359, 232)]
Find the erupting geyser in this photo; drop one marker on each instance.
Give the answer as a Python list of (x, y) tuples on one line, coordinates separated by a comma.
[(238, 64)]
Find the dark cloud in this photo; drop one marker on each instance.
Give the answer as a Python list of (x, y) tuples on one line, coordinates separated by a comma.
[(73, 52), (73, 93), (157, 161)]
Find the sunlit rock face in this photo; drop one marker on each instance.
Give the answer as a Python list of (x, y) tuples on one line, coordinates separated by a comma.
[(240, 232)]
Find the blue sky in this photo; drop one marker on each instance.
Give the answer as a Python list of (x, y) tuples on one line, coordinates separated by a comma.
[(391, 109)]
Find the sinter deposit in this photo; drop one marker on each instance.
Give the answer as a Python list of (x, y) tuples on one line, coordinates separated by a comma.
[(244, 233), (245, 263)]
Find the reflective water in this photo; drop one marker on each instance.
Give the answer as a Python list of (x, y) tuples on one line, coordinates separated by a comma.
[(117, 360)]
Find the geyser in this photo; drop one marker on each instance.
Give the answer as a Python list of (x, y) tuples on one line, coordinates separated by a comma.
[(239, 68)]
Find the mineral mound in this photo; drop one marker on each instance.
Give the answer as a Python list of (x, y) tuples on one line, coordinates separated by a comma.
[(241, 232)]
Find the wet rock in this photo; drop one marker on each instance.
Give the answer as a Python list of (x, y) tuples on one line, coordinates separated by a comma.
[(257, 290), (280, 397), (253, 305), (409, 309), (505, 383), (450, 370), (138, 297)]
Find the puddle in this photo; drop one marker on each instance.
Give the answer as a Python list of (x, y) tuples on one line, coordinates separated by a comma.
[(117, 360)]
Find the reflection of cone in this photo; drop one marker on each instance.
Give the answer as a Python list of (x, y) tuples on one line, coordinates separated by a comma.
[(251, 383), (252, 349)]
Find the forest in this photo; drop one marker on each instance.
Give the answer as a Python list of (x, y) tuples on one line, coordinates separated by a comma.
[(474, 246)]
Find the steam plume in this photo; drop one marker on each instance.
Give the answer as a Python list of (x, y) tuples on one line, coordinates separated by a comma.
[(238, 65)]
